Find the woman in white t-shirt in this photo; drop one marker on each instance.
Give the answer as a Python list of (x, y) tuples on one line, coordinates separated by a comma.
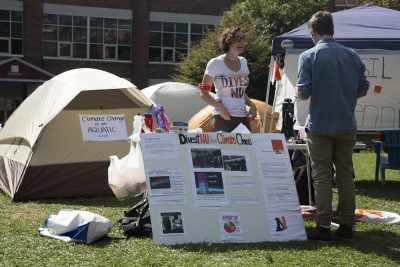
[(230, 75)]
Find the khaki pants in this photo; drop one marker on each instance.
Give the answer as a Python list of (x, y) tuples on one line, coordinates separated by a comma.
[(325, 151)]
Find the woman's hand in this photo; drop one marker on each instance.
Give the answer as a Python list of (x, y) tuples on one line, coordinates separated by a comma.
[(224, 113), (252, 114)]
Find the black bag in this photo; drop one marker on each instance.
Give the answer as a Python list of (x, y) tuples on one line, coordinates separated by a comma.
[(136, 221), (301, 180)]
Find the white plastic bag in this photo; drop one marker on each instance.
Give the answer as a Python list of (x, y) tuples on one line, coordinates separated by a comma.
[(376, 216), (126, 176), (76, 226)]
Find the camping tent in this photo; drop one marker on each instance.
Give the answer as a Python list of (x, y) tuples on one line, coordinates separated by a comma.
[(58, 142), (180, 100), (202, 119), (374, 32)]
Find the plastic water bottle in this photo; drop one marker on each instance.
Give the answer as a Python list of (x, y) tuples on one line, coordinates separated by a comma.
[(137, 124)]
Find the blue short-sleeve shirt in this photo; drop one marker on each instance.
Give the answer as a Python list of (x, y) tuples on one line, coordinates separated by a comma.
[(332, 75)]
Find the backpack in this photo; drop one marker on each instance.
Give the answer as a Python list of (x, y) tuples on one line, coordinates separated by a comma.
[(301, 180), (136, 221)]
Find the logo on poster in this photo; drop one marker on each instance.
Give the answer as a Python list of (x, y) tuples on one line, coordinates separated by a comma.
[(229, 227), (280, 224)]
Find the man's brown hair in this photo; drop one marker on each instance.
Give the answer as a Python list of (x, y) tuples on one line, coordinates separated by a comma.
[(321, 23)]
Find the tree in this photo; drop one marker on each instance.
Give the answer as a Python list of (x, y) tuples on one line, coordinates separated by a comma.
[(392, 4), (261, 21)]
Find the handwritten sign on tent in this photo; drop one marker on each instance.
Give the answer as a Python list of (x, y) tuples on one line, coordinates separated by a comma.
[(103, 127)]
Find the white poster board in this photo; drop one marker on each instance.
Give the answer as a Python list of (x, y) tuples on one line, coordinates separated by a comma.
[(378, 110), (221, 187)]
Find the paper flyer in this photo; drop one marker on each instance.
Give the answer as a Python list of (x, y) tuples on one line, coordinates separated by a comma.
[(230, 226), (159, 146)]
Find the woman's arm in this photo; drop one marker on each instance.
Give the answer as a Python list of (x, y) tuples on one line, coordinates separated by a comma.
[(253, 109)]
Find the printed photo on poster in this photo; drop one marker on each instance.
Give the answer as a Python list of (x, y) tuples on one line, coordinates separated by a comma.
[(209, 183), (236, 163), (206, 158), (160, 182), (172, 223), (277, 146), (271, 146), (209, 190)]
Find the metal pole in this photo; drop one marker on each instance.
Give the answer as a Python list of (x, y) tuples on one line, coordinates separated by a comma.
[(265, 113), (273, 107)]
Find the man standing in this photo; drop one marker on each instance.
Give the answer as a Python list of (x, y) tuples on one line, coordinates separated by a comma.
[(334, 77)]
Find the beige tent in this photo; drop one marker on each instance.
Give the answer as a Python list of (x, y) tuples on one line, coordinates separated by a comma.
[(42, 154), (180, 100), (202, 119)]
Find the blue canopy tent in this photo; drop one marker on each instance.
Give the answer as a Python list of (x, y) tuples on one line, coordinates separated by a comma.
[(360, 28), (364, 27)]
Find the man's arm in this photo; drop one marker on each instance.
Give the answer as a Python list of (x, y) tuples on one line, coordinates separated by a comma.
[(361, 93), (298, 95), (304, 78), (364, 83)]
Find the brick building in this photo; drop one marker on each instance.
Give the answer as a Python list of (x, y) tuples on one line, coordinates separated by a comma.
[(140, 40)]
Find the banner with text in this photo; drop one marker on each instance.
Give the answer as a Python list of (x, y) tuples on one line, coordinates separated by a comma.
[(103, 127), (378, 110), (221, 187)]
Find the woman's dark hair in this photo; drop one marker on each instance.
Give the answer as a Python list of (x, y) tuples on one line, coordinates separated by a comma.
[(321, 23), (226, 38)]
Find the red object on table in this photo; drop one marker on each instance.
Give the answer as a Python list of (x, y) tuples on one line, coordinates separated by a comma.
[(148, 120)]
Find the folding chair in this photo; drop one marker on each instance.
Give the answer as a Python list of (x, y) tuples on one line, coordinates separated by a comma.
[(391, 158)]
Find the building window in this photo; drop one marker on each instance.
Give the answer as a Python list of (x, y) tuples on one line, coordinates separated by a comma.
[(10, 32), (170, 41), (345, 4), (87, 37)]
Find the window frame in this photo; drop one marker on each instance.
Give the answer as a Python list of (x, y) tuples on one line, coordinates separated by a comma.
[(87, 43), (10, 37), (175, 48), (59, 44)]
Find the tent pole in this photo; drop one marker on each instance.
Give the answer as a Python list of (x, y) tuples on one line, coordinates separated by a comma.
[(273, 107), (265, 113)]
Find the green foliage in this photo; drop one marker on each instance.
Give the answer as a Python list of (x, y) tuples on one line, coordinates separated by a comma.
[(392, 4), (261, 21)]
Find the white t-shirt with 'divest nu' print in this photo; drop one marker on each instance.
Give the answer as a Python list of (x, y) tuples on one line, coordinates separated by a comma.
[(229, 85)]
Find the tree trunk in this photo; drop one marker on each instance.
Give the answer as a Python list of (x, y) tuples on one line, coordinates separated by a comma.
[(331, 6)]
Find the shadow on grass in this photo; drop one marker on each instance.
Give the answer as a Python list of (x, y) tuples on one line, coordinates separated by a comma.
[(381, 243), (107, 241), (111, 202), (390, 191)]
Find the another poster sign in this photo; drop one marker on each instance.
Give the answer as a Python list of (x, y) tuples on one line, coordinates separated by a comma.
[(103, 127)]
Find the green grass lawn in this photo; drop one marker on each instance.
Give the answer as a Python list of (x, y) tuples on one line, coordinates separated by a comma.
[(374, 245)]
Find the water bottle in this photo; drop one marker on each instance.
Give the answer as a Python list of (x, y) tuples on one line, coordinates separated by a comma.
[(137, 124)]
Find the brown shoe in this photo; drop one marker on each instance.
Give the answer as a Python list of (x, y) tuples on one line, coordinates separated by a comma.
[(320, 233), (344, 231)]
